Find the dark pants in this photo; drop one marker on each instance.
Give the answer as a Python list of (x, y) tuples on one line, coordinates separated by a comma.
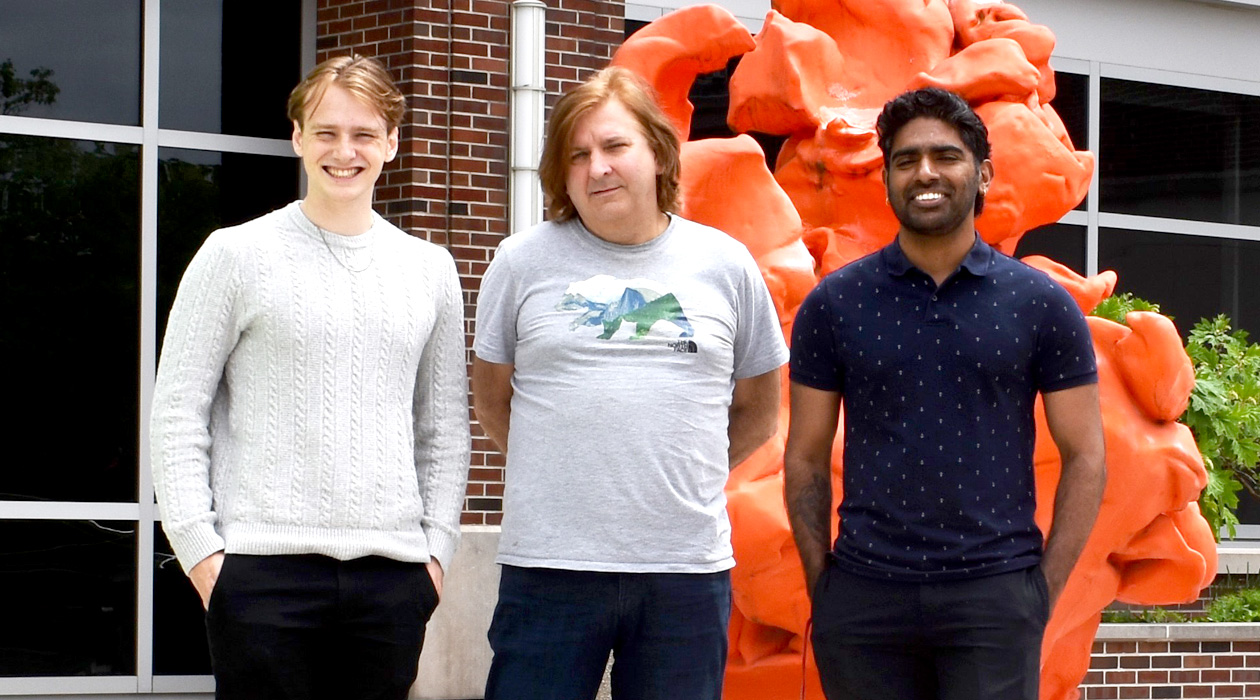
[(553, 630), (977, 639), (309, 627)]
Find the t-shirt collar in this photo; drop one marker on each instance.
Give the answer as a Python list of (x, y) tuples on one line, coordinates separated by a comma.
[(977, 261)]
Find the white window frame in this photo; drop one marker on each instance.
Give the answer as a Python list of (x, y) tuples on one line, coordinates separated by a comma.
[(150, 138)]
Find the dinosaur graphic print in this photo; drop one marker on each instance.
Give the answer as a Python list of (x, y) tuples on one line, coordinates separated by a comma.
[(605, 302)]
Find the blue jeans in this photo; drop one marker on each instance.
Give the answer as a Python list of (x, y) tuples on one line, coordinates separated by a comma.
[(553, 630)]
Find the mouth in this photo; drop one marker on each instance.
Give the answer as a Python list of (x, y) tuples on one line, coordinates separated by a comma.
[(342, 173), (604, 191), (928, 197)]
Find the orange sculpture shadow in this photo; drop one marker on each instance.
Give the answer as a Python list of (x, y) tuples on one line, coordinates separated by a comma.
[(817, 74)]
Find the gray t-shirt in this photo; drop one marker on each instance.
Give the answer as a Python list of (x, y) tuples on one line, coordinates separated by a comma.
[(625, 359)]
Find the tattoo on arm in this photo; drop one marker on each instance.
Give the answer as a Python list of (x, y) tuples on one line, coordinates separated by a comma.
[(809, 510)]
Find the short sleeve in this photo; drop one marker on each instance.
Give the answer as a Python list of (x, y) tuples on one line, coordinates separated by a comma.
[(494, 335), (1065, 348), (815, 362), (759, 346)]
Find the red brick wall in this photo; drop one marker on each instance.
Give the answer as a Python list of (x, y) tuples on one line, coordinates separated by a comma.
[(449, 183), (1173, 669)]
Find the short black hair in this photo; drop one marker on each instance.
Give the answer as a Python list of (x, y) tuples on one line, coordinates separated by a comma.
[(942, 105)]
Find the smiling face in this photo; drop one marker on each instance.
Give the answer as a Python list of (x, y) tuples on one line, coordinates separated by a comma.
[(344, 144), (932, 179), (612, 175)]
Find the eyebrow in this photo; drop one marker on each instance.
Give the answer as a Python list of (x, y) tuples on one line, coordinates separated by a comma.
[(934, 149), (352, 127)]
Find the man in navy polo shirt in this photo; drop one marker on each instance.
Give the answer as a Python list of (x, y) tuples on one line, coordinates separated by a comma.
[(939, 585)]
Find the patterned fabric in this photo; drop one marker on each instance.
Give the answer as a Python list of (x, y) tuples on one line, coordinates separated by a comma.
[(939, 386)]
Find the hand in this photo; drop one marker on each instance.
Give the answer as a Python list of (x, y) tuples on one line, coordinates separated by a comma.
[(435, 572), (204, 575), (1055, 582)]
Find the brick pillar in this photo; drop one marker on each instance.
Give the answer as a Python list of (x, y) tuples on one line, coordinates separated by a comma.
[(449, 183)]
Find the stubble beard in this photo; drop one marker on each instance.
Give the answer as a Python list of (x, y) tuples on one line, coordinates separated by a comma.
[(953, 219)]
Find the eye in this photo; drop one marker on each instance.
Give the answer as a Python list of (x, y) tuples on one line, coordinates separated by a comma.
[(578, 156)]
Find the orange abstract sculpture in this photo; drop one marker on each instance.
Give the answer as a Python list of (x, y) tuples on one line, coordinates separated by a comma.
[(818, 73)]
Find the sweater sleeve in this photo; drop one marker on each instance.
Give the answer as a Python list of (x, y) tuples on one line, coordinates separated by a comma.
[(201, 332), (441, 418)]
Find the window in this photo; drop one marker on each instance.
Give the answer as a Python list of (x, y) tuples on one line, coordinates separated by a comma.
[(71, 273), (1190, 277), (100, 214), (79, 61), (1180, 153)]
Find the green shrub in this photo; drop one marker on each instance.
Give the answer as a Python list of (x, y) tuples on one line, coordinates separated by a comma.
[(1239, 606), (1117, 306), (1152, 615), (1224, 416), (1224, 411)]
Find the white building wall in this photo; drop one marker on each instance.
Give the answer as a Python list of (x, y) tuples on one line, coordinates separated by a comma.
[(1219, 38)]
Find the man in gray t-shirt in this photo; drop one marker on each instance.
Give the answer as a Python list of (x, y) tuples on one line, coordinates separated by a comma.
[(626, 359)]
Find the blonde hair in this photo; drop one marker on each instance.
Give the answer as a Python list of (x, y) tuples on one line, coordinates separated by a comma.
[(640, 100), (364, 77)]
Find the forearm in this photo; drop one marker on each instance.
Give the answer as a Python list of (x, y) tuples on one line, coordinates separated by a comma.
[(492, 399), (749, 429), (1076, 504), (807, 492), (753, 416), (494, 423)]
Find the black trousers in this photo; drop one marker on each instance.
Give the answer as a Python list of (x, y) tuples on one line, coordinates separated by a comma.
[(977, 639), (309, 627)]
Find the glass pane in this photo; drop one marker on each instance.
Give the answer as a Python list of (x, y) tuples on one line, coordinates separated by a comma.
[(75, 60), (69, 280), (1071, 102), (200, 191), (1190, 277), (1180, 153), (69, 607), (1061, 243), (228, 65), (179, 622)]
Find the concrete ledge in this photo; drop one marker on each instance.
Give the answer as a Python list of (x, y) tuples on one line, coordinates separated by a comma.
[(1236, 559), (1179, 632)]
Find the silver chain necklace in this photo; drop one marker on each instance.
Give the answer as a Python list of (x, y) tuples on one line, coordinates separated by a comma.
[(371, 251)]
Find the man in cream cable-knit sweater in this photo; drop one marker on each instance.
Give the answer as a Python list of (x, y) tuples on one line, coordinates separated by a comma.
[(310, 421)]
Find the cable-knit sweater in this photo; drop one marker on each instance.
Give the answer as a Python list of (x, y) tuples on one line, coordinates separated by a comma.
[(312, 396)]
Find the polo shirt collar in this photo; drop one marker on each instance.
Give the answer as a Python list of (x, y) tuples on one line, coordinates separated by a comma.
[(977, 261)]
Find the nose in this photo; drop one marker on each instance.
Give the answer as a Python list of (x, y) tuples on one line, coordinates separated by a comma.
[(344, 148), (599, 163), (926, 170)]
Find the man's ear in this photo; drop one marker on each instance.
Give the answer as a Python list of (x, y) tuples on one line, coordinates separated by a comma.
[(986, 175), (392, 140), (296, 138)]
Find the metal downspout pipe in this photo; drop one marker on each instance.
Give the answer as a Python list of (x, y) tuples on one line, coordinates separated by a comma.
[(525, 119)]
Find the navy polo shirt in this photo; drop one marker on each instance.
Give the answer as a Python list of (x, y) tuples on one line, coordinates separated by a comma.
[(938, 390)]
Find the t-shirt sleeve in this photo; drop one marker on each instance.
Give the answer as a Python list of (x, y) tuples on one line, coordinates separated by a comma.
[(815, 362), (1065, 348), (494, 334), (759, 345)]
